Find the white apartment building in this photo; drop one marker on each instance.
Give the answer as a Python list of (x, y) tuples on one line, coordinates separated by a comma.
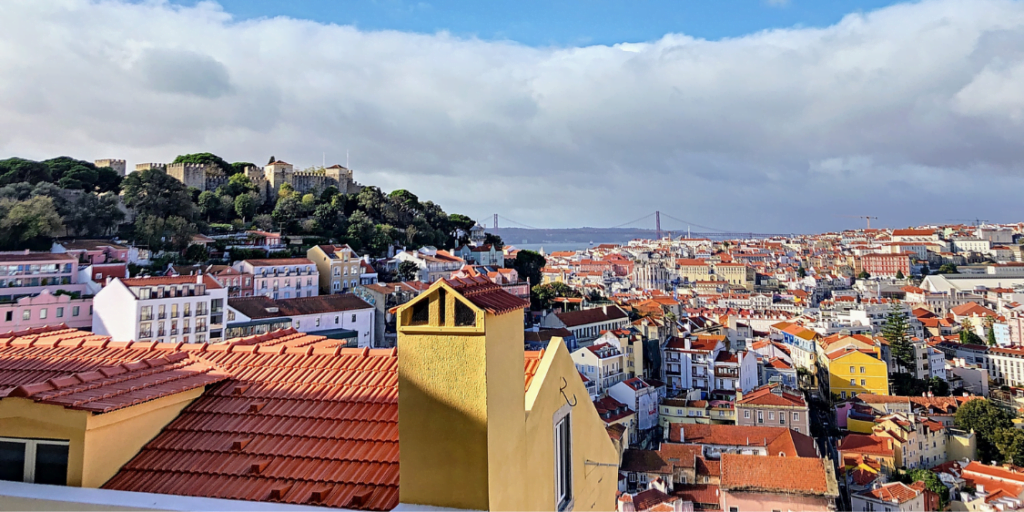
[(433, 263), (282, 278), (340, 316), (603, 364), (185, 309), (687, 362)]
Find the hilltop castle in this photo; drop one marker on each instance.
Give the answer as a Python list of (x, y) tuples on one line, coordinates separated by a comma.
[(267, 180)]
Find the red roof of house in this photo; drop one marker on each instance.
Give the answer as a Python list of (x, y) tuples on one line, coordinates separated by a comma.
[(775, 439), (486, 295), (895, 492), (804, 476), (108, 388)]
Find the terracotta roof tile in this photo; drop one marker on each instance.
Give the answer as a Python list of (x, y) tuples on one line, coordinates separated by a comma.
[(486, 295), (804, 476)]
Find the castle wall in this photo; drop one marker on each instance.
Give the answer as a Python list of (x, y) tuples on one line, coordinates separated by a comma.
[(119, 166)]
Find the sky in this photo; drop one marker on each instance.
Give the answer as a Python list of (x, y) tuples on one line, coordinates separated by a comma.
[(767, 116)]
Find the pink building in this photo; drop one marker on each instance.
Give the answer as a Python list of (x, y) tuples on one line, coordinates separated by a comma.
[(29, 273), (93, 251), (46, 309)]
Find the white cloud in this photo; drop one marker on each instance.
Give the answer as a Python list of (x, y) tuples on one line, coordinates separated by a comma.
[(912, 113)]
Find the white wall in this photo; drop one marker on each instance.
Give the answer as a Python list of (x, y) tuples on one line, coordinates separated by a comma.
[(115, 312)]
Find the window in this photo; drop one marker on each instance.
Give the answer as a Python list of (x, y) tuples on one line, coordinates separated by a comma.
[(796, 416), (26, 314), (563, 464), (853, 382), (863, 382), (746, 414), (42, 314), (353, 318), (74, 311), (862, 369), (231, 315), (40, 461), (318, 321), (60, 312), (9, 316), (842, 394), (760, 416), (851, 369), (146, 313)]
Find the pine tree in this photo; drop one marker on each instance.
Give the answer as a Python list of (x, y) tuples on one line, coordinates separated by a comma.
[(895, 332)]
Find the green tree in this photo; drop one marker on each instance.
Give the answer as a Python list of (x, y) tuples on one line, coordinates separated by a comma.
[(990, 333), (925, 271), (29, 223), (14, 170), (237, 185), (371, 201), (205, 159), (180, 232), (360, 228), (197, 253), (863, 275), (240, 167), (460, 223), (1009, 442), (985, 419), (154, 192), (947, 268), (528, 265), (899, 274), (801, 272), (245, 205), (407, 271), (967, 334), (92, 214), (264, 222), (383, 236), (288, 209), (494, 240), (931, 482), (209, 206), (895, 331), (545, 294)]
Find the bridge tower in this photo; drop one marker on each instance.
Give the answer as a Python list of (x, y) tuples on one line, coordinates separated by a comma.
[(495, 221), (657, 224)]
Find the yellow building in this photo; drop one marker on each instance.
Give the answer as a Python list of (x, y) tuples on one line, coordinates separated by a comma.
[(848, 372), (472, 441), (338, 266)]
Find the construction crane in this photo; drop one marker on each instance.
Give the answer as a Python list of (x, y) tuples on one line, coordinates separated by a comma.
[(865, 217)]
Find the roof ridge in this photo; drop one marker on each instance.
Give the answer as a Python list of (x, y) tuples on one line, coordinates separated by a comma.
[(93, 379)]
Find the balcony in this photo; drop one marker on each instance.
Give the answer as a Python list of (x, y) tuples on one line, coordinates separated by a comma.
[(160, 334), (161, 316), (174, 332), (185, 330), (145, 334), (145, 317), (200, 328)]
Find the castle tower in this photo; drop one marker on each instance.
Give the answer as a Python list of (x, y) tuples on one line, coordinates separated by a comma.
[(461, 398), (278, 173), (118, 166)]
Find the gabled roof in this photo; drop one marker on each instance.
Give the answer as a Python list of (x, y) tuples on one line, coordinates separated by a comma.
[(772, 394), (775, 439), (486, 295), (896, 492)]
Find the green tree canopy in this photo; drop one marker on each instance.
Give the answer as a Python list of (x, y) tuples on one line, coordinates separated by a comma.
[(947, 268), (14, 170), (205, 159), (1009, 442), (545, 294), (931, 482), (240, 167), (985, 419), (29, 223), (528, 264), (407, 271), (864, 275), (896, 332), (154, 192), (245, 205)]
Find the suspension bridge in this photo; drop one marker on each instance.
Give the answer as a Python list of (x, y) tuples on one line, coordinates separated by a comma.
[(673, 226)]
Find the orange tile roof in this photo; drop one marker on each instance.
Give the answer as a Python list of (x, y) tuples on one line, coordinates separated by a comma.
[(755, 473), (895, 492), (775, 439), (486, 295), (533, 358), (109, 388)]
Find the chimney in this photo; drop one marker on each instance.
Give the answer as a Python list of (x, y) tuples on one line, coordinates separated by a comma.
[(461, 400), (604, 309), (199, 278)]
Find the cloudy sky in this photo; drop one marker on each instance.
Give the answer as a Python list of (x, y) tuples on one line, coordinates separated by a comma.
[(910, 112)]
